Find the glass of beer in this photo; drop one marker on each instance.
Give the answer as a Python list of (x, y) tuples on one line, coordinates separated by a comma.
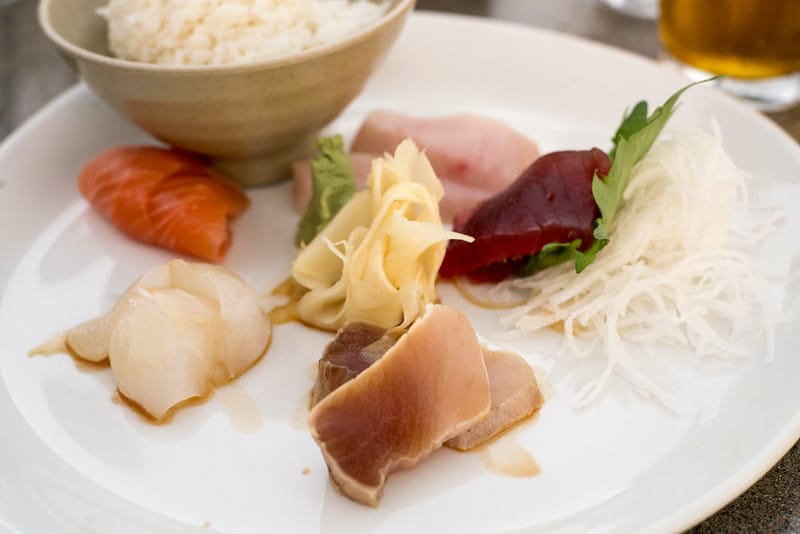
[(755, 44)]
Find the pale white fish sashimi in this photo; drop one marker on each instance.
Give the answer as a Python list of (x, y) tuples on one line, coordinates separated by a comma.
[(179, 331), (474, 157), (468, 149)]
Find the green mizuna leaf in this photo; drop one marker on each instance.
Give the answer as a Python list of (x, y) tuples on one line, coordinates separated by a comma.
[(632, 141), (631, 123), (551, 254), (583, 259), (333, 184)]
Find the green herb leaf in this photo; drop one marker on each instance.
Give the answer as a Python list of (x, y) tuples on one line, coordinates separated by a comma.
[(631, 123), (550, 255), (633, 140), (583, 259), (333, 184)]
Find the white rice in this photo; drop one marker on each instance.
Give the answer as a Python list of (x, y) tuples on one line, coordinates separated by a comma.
[(215, 32)]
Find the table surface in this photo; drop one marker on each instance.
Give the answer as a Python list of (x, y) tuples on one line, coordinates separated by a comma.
[(31, 73)]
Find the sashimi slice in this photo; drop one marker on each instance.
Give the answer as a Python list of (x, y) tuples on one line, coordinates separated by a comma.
[(178, 332), (467, 149), (474, 157), (514, 390), (428, 387), (345, 357), (551, 202), (189, 216), (164, 197), (515, 395)]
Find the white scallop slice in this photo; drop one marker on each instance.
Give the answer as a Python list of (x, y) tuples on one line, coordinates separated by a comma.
[(179, 331)]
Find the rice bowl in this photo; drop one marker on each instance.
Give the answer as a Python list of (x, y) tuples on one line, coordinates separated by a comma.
[(251, 120)]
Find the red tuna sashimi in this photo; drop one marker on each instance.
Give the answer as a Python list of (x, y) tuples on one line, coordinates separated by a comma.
[(164, 197), (551, 202)]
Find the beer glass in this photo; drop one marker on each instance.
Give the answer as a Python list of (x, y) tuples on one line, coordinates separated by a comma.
[(755, 44)]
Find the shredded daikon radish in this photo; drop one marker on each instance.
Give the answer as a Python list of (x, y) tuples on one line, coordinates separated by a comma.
[(669, 275)]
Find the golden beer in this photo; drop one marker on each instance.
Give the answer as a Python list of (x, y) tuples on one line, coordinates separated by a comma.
[(741, 38)]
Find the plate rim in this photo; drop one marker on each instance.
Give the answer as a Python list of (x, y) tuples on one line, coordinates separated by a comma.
[(722, 493)]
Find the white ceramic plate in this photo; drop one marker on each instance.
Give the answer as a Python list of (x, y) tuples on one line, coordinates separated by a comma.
[(71, 460)]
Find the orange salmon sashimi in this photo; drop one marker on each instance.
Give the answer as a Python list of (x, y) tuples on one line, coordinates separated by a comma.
[(164, 197)]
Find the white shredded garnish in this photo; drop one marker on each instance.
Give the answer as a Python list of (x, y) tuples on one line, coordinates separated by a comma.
[(669, 275)]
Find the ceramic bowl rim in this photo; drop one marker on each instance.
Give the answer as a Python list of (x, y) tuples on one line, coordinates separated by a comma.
[(400, 9)]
